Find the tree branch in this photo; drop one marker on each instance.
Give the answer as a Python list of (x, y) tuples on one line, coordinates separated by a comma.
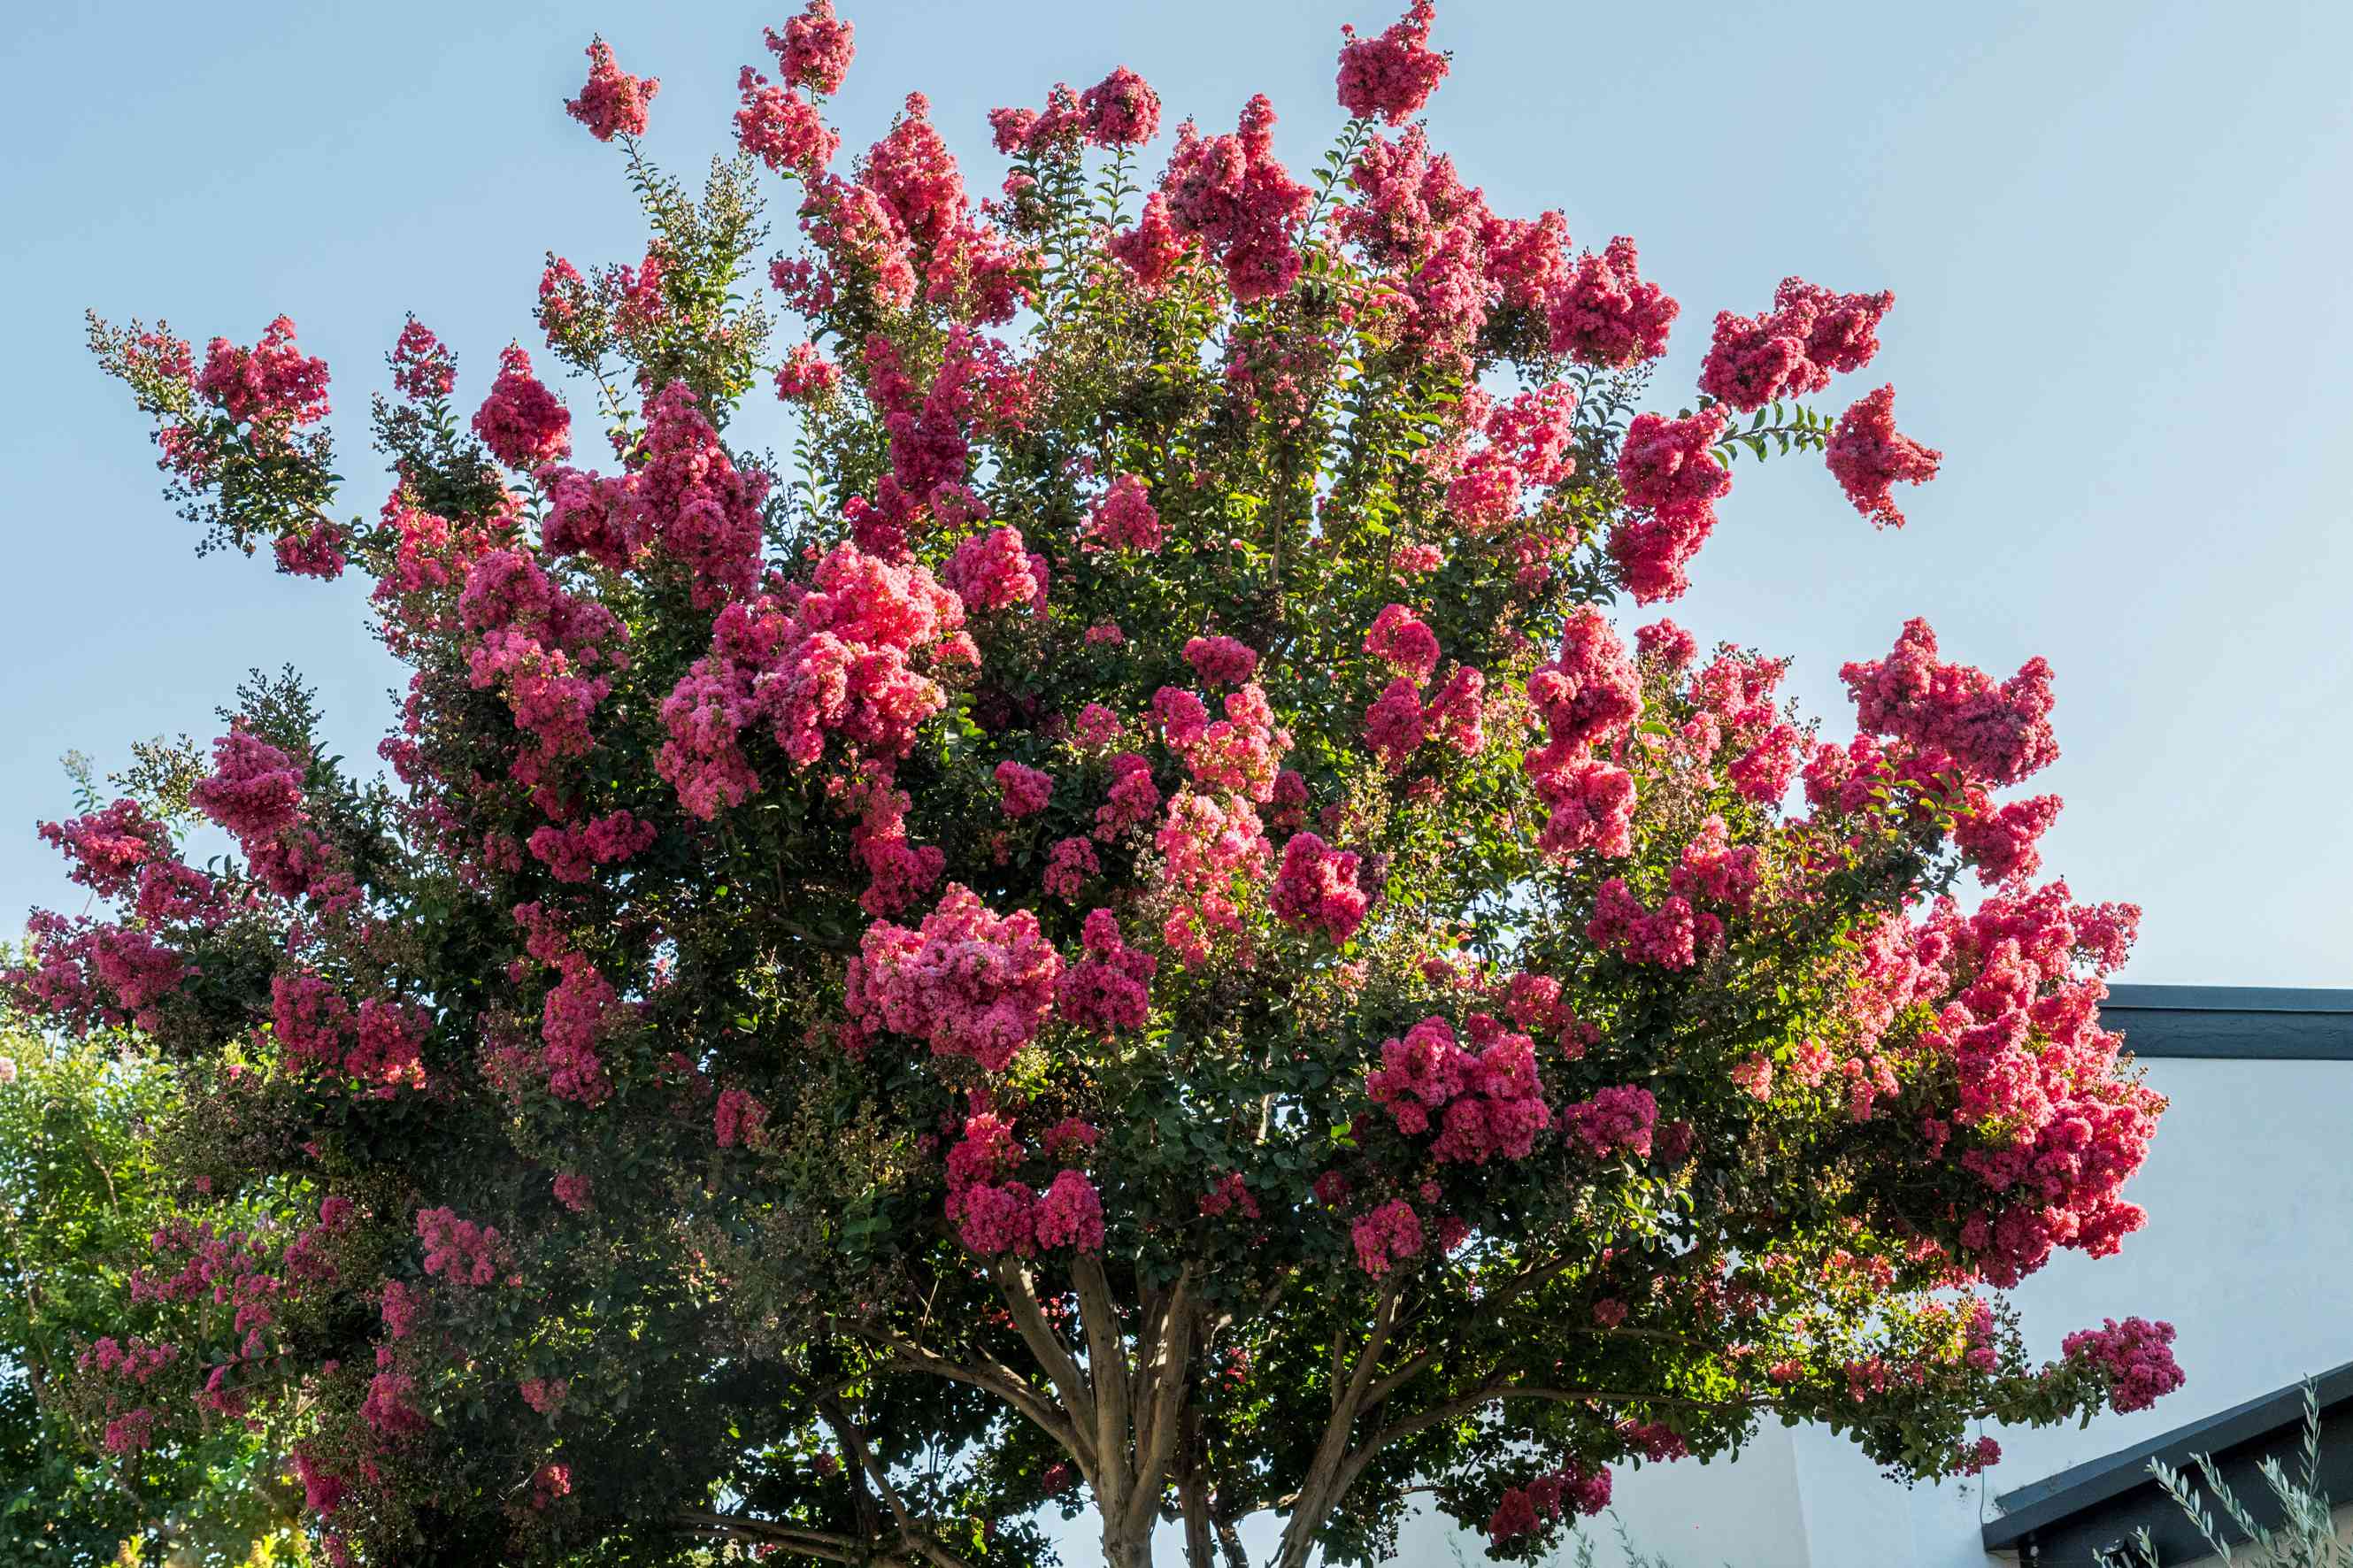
[(808, 1542), (1020, 1293), (1155, 1440), (1107, 1371), (914, 1534)]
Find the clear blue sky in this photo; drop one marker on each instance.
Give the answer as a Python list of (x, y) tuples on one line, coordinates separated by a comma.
[(2116, 232)]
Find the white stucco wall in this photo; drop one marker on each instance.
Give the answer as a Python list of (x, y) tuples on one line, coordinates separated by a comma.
[(2248, 1188)]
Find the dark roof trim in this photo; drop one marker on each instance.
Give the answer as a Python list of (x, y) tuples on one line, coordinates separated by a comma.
[(2239, 1023), (2098, 1485)]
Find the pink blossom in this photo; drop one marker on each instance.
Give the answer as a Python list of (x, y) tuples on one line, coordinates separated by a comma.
[(613, 102), (1151, 249), (1023, 791), (1666, 644), (522, 422), (1070, 865), (2136, 1355), (1868, 456), (781, 128), (459, 1250), (807, 375), (571, 853), (1524, 1511), (815, 49), (108, 848), (1315, 889), (1394, 725), (1391, 75), (1487, 1105), (1614, 1119), (738, 1118), (1230, 191), (273, 388), (1069, 1214), (1670, 937), (1124, 519), (1811, 332), (1605, 314), (2001, 842), (1404, 642), (1122, 110), (970, 983), (1389, 1234), (1997, 732), (1222, 660), (1109, 987), (1132, 797), (992, 571), (254, 790), (422, 369)]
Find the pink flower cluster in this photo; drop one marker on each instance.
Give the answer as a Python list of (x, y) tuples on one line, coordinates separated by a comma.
[(996, 1216), (571, 854), (815, 47), (1954, 716), (996, 571), (1672, 936), (1614, 1119), (459, 1250), (1588, 695), (1604, 313), (1209, 846), (1713, 870), (1526, 446), (1152, 249), (738, 1118), (1868, 455), (573, 1018), (1070, 865), (2001, 842), (1391, 75), (522, 422), (538, 646), (1023, 791), (1315, 889), (1403, 641), (1121, 111), (2137, 1356), (1524, 1511), (272, 387), (254, 790), (110, 848), (612, 102), (1489, 1105), (1230, 191), (1124, 519), (1109, 988), (781, 128), (316, 1029), (1811, 332), (1239, 753), (807, 375), (837, 660), (1222, 660), (971, 983), (1668, 471), (1386, 1236)]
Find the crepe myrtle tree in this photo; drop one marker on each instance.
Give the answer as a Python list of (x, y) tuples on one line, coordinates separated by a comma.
[(1122, 927)]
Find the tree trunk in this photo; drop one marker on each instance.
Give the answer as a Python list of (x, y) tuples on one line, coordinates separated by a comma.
[(1127, 1550)]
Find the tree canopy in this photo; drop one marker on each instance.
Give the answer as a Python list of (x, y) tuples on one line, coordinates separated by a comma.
[(1124, 924)]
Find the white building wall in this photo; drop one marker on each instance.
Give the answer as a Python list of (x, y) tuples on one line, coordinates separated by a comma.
[(2248, 1188)]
